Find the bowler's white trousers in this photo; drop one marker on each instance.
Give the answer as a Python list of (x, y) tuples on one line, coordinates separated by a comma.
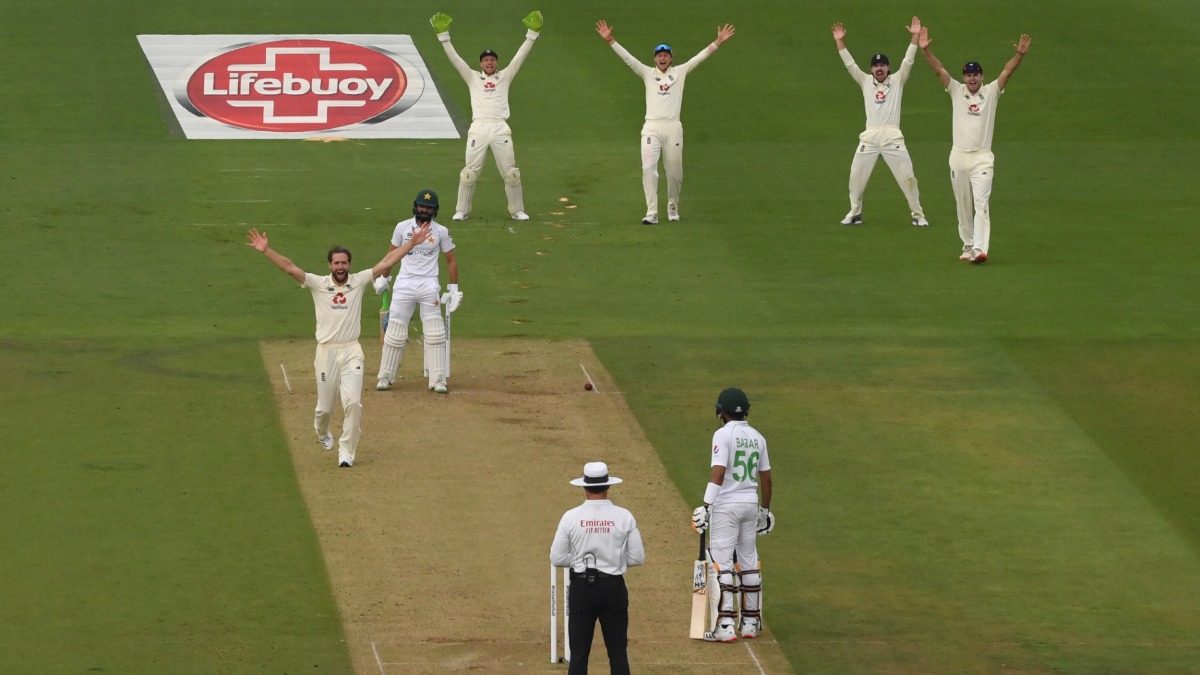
[(339, 371)]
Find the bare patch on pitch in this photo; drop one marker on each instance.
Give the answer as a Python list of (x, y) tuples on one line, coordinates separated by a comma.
[(437, 540)]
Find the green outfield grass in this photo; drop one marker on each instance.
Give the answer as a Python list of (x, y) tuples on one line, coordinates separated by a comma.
[(978, 468)]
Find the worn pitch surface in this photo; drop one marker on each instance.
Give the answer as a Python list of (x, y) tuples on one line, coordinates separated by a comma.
[(437, 540)]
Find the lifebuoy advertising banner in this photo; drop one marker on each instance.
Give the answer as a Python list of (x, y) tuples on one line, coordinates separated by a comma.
[(298, 86)]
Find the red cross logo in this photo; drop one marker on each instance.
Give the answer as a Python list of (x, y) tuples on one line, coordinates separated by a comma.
[(296, 85)]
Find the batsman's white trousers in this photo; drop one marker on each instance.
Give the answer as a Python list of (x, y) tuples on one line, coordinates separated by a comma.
[(496, 136), (662, 139), (339, 371), (733, 527), (888, 142), (971, 177)]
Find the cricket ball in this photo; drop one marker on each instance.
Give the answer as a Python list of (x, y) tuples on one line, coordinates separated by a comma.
[(587, 386)]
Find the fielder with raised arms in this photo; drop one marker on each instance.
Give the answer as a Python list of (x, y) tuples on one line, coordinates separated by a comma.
[(418, 285), (733, 517), (972, 164), (662, 133), (489, 115), (882, 91), (337, 299)]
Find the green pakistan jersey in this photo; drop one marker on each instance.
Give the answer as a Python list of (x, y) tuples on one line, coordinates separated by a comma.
[(739, 448)]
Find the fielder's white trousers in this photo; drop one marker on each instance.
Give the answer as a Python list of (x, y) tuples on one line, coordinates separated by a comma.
[(661, 139), (339, 371), (888, 142), (971, 177), (497, 137)]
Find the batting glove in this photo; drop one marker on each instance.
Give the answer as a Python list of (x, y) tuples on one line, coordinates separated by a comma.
[(766, 521), (534, 21), (440, 22), (452, 298), (382, 284), (700, 519)]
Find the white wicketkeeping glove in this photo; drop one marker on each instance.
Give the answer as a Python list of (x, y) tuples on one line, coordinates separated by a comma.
[(766, 521), (382, 284), (451, 298), (700, 519)]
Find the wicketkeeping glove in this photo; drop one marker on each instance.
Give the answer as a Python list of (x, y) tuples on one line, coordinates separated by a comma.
[(534, 21), (440, 22), (700, 519), (382, 284), (766, 521)]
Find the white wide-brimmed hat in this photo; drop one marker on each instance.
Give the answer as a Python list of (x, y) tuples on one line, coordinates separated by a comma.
[(595, 474)]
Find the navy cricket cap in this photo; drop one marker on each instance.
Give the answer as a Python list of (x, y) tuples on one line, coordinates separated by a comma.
[(662, 48), (972, 67), (487, 52), (880, 58)]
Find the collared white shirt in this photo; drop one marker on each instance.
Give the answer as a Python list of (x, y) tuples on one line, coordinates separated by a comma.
[(598, 528), (338, 308), (974, 114), (422, 260), (489, 93), (664, 90), (739, 448), (882, 99)]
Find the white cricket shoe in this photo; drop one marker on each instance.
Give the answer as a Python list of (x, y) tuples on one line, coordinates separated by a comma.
[(721, 634), (383, 385), (672, 212), (650, 219), (326, 441), (520, 215), (439, 388), (459, 215), (919, 221), (852, 219), (966, 253), (749, 629), (978, 257)]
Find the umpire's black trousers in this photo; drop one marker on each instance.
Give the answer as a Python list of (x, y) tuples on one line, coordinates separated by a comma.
[(607, 601)]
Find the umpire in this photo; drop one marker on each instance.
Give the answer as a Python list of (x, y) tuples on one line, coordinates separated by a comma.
[(598, 541)]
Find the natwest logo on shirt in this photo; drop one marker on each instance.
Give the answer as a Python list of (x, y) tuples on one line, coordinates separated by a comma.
[(296, 85)]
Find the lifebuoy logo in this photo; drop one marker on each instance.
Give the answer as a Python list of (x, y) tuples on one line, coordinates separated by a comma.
[(296, 85)]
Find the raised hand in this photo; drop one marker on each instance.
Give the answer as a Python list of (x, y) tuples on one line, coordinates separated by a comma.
[(914, 28), (839, 31), (256, 240), (604, 30), (724, 33), (441, 22), (1023, 45), (923, 41), (534, 21)]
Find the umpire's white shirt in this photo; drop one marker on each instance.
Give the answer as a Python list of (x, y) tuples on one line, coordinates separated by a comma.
[(339, 308), (602, 529), (489, 93), (882, 99), (664, 91), (974, 115), (422, 261)]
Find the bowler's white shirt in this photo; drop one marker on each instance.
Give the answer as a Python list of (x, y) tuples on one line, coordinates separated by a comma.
[(422, 261), (974, 114), (338, 308)]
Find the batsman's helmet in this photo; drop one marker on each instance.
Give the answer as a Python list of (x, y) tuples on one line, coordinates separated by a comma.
[(733, 402), (427, 198)]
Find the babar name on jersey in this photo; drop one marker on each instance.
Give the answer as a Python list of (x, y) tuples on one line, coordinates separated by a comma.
[(746, 443)]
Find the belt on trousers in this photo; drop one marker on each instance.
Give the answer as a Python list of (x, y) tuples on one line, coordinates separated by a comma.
[(582, 575)]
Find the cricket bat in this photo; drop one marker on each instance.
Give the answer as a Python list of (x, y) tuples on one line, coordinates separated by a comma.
[(699, 594), (384, 309)]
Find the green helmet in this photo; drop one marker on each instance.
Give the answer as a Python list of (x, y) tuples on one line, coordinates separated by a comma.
[(427, 198), (733, 402)]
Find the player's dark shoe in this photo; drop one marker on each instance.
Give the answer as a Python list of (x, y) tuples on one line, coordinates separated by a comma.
[(344, 465), (853, 220)]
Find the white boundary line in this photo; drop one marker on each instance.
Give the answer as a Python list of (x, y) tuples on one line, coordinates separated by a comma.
[(285, 377), (378, 661)]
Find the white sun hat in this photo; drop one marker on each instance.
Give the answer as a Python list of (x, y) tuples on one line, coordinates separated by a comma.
[(595, 474)]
